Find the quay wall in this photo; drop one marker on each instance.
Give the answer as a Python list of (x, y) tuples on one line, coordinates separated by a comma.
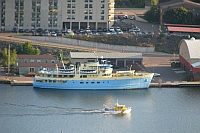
[(88, 44)]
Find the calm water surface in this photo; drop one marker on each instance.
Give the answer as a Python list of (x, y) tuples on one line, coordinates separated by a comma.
[(155, 110)]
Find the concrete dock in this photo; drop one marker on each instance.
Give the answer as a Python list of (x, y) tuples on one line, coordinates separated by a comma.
[(153, 84)]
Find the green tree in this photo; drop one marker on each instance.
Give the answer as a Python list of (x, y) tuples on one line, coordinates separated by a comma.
[(36, 51), (27, 48), (13, 57), (5, 57), (154, 2), (178, 16), (138, 3), (197, 1), (118, 3), (153, 15)]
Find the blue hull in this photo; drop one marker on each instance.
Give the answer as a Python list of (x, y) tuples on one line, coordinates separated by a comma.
[(107, 84)]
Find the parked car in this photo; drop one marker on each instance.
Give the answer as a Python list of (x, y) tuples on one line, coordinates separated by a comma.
[(21, 30), (120, 32), (87, 30), (105, 29), (69, 30), (53, 34), (46, 33), (132, 17), (124, 29), (26, 30), (59, 34), (114, 33), (125, 16), (99, 29), (117, 29), (134, 30), (111, 29), (144, 32), (108, 33)]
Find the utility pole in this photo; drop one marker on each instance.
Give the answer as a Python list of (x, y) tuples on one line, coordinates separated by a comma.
[(8, 59), (160, 26)]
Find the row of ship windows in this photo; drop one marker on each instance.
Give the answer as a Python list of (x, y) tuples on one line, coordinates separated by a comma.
[(67, 76), (63, 81), (71, 76)]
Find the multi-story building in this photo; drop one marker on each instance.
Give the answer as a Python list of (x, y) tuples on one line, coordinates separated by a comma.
[(56, 14)]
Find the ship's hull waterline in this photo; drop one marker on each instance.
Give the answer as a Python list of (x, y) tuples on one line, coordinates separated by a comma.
[(97, 84)]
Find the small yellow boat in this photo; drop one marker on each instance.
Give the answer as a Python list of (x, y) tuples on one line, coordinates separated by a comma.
[(118, 109)]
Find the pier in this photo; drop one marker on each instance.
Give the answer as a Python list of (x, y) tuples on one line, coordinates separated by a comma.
[(175, 84), (153, 84)]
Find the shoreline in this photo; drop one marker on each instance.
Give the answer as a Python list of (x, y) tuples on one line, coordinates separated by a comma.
[(28, 81)]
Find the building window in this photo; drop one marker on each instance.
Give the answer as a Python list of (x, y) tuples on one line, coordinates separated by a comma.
[(90, 6), (25, 61), (68, 17), (90, 11), (68, 11), (73, 17), (86, 5), (68, 5), (102, 11), (102, 1), (86, 17), (31, 69), (38, 61), (86, 12), (73, 11), (52, 61), (73, 5), (86, 0), (68, 0), (90, 17), (91, 0), (73, 0), (102, 17), (102, 5)]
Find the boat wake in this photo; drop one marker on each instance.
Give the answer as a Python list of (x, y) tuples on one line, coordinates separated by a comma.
[(35, 110)]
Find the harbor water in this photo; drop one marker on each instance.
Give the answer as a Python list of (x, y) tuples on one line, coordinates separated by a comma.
[(154, 110)]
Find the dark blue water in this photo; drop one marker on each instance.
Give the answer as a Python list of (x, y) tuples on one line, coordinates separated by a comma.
[(155, 110)]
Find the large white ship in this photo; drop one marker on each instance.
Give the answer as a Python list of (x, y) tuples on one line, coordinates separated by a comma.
[(91, 76)]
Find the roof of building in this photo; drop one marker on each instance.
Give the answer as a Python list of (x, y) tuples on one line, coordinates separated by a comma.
[(25, 56), (195, 64), (193, 46), (183, 29), (85, 55)]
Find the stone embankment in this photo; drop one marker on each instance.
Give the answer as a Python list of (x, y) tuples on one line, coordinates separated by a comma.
[(166, 44), (162, 43)]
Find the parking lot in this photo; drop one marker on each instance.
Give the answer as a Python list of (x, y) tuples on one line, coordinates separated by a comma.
[(160, 63)]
